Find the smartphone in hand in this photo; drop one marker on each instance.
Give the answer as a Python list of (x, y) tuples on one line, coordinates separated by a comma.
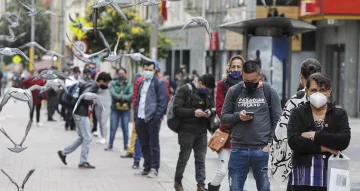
[(250, 113)]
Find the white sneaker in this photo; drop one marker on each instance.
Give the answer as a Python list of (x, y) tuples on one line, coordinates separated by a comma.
[(39, 124), (101, 141), (95, 133)]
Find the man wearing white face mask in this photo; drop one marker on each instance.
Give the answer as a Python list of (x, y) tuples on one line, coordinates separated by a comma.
[(150, 106), (316, 130)]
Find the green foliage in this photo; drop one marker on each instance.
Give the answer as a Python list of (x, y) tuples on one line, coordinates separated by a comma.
[(42, 32), (134, 37)]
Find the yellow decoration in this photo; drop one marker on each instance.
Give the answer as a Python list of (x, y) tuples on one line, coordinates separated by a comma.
[(78, 32), (16, 59), (122, 35), (136, 30), (137, 18), (31, 57)]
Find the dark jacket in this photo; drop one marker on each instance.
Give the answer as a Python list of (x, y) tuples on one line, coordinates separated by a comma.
[(83, 107), (156, 100), (185, 105), (335, 135)]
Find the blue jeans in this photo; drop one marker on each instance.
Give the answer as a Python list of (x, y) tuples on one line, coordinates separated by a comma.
[(148, 134), (239, 163), (84, 139), (124, 118), (137, 150)]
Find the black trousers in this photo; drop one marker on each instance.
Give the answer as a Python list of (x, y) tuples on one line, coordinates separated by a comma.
[(51, 106), (95, 122), (36, 107), (69, 120)]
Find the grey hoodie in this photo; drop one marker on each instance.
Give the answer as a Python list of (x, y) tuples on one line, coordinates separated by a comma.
[(255, 133)]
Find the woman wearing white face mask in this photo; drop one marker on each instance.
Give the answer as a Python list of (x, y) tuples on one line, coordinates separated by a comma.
[(315, 131)]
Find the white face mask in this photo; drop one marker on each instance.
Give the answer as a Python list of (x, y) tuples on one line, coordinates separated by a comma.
[(318, 99)]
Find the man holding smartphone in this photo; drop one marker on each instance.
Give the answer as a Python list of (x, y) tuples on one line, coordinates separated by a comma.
[(253, 109)]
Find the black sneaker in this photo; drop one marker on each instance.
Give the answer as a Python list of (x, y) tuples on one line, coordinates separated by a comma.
[(109, 148), (142, 173), (136, 165), (86, 165), (62, 157)]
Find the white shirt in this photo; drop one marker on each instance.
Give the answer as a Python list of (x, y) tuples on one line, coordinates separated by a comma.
[(143, 93), (71, 82)]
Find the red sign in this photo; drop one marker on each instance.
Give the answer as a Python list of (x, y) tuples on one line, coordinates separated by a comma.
[(214, 41), (310, 7), (81, 45), (329, 7), (343, 7)]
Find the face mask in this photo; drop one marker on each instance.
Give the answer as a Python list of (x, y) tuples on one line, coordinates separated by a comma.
[(76, 77), (203, 90), (318, 99), (92, 71), (235, 74), (250, 86), (122, 77), (102, 86), (66, 73), (148, 74)]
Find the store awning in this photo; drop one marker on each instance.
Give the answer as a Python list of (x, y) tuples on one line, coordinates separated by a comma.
[(288, 26)]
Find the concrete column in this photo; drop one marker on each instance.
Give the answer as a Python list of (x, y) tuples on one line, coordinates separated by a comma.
[(351, 67)]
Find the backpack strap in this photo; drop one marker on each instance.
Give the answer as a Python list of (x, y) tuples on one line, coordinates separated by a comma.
[(224, 87), (267, 93)]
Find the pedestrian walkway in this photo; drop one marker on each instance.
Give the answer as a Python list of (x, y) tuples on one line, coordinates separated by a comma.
[(111, 174)]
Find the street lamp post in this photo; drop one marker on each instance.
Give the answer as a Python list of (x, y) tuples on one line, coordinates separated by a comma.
[(31, 50), (154, 32)]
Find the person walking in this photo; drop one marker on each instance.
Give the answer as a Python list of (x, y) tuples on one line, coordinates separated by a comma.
[(150, 106), (121, 92), (35, 95), (231, 77), (83, 123)]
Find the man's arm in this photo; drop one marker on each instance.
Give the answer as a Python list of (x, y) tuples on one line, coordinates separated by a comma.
[(228, 116), (162, 99), (275, 112)]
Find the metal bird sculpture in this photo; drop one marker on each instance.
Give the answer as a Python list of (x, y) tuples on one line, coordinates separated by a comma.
[(52, 53), (21, 95), (48, 12), (51, 75), (112, 54), (199, 21), (18, 147), (116, 7), (24, 181), (11, 37), (54, 84), (12, 52), (32, 10), (138, 57), (84, 57), (12, 23), (87, 96), (35, 44)]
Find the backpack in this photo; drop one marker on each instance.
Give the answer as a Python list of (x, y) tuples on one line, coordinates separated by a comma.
[(69, 100), (173, 121)]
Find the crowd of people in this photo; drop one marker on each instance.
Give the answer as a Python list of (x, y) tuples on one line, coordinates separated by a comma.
[(290, 144)]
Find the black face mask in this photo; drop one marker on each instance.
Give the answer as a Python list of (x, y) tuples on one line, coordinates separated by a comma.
[(102, 86), (251, 86)]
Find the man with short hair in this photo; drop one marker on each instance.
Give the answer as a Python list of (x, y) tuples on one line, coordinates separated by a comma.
[(194, 105), (82, 121), (150, 106), (253, 109)]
